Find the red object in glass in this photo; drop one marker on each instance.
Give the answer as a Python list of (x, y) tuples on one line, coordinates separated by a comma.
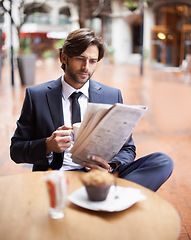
[(52, 193)]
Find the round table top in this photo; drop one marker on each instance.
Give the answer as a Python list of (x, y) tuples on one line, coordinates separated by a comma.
[(24, 214)]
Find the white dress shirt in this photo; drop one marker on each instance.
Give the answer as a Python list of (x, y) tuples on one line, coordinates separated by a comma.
[(67, 90)]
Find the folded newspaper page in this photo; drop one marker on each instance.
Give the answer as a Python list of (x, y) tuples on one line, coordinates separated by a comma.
[(104, 130)]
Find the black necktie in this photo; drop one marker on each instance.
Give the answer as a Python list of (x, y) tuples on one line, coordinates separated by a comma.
[(76, 116)]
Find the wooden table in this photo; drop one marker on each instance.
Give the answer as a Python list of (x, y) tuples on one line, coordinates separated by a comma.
[(24, 214)]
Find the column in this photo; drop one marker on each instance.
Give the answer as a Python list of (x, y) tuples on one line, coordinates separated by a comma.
[(121, 34)]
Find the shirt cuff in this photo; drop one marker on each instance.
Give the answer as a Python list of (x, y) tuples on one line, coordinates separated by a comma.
[(50, 157), (114, 166)]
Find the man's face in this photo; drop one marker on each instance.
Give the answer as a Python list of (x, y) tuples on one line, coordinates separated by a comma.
[(79, 69)]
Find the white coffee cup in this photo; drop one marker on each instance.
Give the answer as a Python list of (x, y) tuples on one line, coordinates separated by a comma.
[(76, 127)]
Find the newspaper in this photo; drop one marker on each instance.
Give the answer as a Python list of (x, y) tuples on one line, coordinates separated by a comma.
[(104, 130)]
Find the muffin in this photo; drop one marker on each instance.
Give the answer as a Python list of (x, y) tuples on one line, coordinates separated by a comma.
[(97, 184)]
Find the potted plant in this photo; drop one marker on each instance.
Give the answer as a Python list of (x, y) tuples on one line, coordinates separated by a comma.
[(25, 58), (131, 5), (26, 62), (149, 2)]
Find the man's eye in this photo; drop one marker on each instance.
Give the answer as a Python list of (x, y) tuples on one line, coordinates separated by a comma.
[(80, 59), (93, 61)]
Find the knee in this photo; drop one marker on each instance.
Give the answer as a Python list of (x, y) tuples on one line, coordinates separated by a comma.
[(164, 160)]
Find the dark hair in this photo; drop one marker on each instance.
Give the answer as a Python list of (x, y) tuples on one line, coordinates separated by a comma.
[(78, 41)]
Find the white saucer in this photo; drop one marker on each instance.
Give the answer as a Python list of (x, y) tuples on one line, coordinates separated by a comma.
[(118, 199)]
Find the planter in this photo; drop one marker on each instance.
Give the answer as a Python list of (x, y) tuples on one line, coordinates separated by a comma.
[(26, 66), (149, 3), (132, 9), (131, 5)]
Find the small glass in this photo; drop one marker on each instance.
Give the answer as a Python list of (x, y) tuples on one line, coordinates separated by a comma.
[(57, 186)]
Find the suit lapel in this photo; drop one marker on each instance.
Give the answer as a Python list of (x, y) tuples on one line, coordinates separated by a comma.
[(54, 98), (95, 92)]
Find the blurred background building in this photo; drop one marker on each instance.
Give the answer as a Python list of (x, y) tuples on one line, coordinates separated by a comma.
[(160, 28)]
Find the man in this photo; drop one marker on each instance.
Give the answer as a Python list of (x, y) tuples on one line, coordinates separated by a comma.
[(43, 134)]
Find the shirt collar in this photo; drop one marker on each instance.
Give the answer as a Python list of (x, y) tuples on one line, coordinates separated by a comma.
[(67, 90)]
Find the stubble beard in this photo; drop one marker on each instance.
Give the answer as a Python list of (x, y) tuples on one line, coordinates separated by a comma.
[(75, 78)]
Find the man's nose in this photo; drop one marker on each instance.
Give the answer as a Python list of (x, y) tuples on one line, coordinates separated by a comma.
[(85, 64)]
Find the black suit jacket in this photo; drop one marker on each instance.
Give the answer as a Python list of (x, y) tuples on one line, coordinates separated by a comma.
[(42, 113)]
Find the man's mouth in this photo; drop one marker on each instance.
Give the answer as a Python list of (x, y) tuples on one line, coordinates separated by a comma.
[(83, 74)]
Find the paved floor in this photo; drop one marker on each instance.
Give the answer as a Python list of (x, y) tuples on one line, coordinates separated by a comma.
[(166, 126)]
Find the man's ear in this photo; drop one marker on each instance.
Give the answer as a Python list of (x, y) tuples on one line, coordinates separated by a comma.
[(63, 58)]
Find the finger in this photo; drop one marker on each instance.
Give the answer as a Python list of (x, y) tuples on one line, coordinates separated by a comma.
[(87, 169), (66, 139), (64, 147), (100, 162), (91, 166), (62, 133), (88, 165), (64, 128)]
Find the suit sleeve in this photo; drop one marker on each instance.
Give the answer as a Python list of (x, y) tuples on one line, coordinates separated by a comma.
[(25, 148), (126, 155)]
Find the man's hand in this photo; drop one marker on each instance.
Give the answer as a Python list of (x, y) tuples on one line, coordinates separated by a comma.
[(59, 141), (100, 164)]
